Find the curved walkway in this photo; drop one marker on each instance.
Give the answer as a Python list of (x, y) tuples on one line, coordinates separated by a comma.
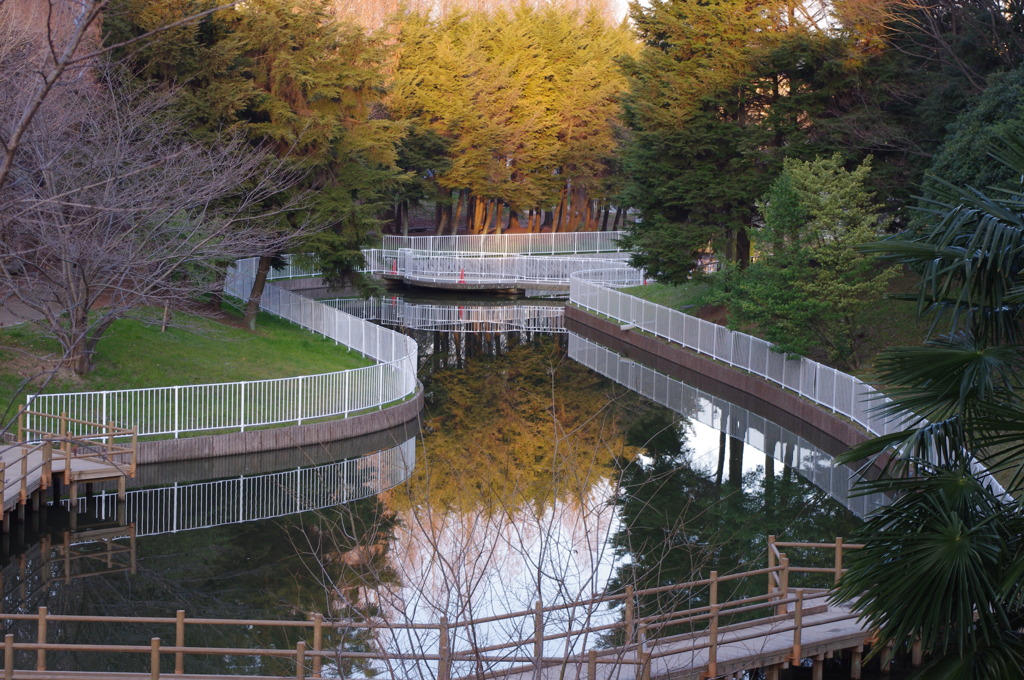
[(253, 405)]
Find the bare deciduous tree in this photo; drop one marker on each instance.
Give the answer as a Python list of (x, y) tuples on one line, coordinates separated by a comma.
[(108, 207)]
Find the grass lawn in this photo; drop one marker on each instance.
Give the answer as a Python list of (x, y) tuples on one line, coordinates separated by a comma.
[(887, 323), (134, 353)]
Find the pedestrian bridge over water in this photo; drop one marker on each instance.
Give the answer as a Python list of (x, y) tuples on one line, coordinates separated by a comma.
[(522, 262)]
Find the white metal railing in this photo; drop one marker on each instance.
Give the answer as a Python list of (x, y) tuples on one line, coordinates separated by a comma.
[(245, 404), (833, 389), (465, 318), (761, 433), (557, 243), (202, 505), (477, 268), (840, 392)]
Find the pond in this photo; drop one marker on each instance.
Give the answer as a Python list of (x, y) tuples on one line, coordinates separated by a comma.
[(535, 478)]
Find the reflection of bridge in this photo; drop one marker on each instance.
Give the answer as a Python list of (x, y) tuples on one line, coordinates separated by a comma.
[(773, 619), (468, 318)]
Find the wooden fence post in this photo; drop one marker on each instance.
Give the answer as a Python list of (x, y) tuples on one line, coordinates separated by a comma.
[(839, 558), (628, 617), (783, 584), (798, 616), (179, 641), (318, 643), (41, 639), (713, 643), (9, 657), (300, 660), (713, 589), (443, 652), (154, 658), (592, 664)]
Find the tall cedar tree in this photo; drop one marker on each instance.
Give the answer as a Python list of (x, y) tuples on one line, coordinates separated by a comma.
[(720, 94), (524, 102)]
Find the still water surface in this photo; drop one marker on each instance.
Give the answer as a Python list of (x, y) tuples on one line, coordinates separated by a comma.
[(535, 478)]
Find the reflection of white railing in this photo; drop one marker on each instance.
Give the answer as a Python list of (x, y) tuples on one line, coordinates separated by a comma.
[(762, 434), (246, 499), (835, 390), (838, 391), (246, 404), (465, 318), (560, 243)]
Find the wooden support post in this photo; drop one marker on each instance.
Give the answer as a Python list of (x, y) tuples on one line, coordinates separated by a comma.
[(818, 669), (915, 653), (839, 559), (47, 464), (179, 641), (772, 672), (318, 643), (798, 622), (41, 639), (538, 632), (713, 643), (645, 666), (856, 663), (121, 489), (783, 584), (628, 616), (885, 659), (713, 589), (442, 650), (9, 657), (154, 658), (592, 664), (300, 660)]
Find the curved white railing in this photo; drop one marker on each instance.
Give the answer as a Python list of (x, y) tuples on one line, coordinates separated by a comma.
[(840, 392), (556, 243), (202, 505), (481, 268), (464, 318), (252, 403), (835, 390)]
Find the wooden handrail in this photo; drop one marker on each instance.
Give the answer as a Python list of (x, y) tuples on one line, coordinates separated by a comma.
[(639, 650)]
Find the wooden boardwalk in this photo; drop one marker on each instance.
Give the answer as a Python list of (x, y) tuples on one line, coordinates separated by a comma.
[(73, 452), (727, 638)]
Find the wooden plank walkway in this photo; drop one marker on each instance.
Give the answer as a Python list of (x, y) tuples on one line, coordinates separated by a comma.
[(79, 452), (765, 643)]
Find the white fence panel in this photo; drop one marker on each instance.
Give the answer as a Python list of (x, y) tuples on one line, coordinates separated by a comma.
[(238, 405)]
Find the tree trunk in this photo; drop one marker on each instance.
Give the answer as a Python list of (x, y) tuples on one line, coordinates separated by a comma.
[(402, 210), (513, 219), (559, 216), (460, 208), (252, 305), (617, 223), (605, 212)]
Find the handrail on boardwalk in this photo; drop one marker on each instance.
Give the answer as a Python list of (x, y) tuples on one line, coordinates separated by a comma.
[(641, 637)]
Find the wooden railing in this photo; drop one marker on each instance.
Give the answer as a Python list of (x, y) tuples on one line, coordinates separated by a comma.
[(28, 465), (643, 638)]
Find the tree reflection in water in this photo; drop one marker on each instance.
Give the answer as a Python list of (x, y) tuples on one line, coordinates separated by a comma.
[(536, 479)]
